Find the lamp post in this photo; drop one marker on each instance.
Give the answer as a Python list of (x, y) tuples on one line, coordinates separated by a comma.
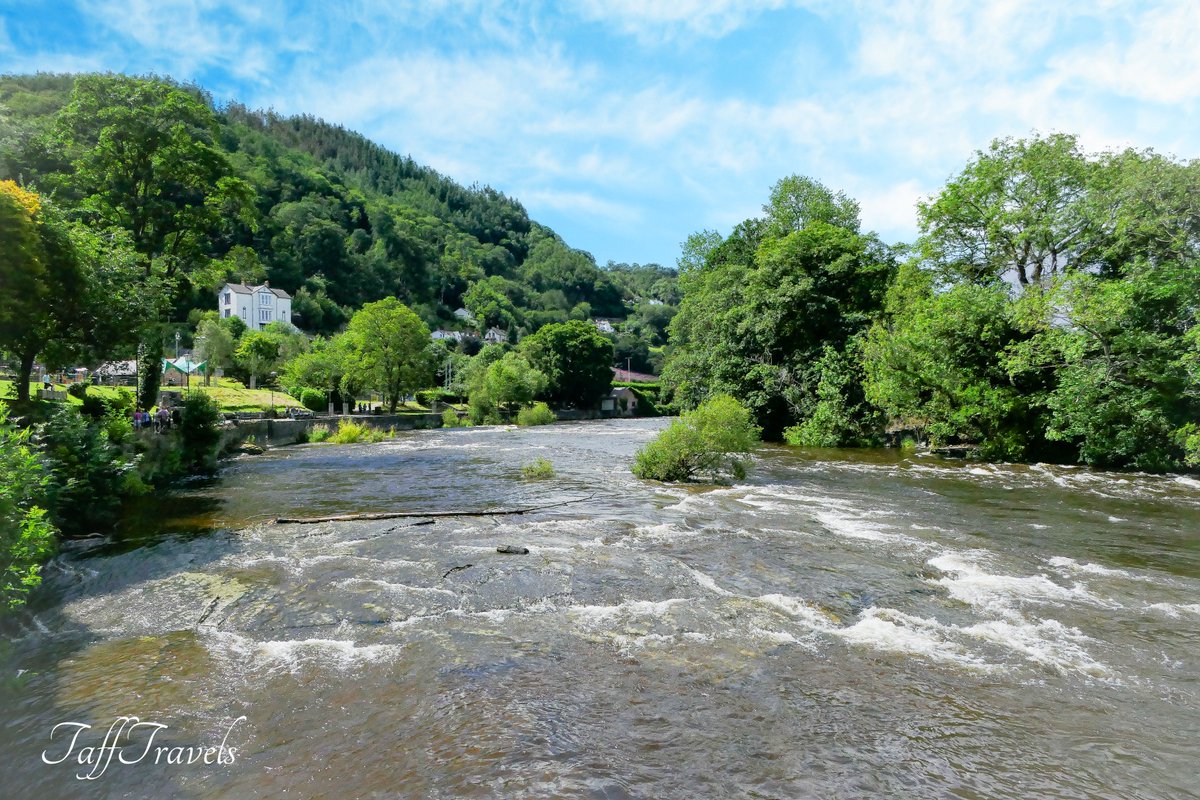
[(272, 377)]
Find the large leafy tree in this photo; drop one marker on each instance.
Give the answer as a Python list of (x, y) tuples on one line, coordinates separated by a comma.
[(143, 156), (575, 357), (388, 345), (1019, 211), (769, 314), (66, 288)]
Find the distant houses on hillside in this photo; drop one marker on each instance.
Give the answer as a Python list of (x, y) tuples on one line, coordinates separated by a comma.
[(257, 306)]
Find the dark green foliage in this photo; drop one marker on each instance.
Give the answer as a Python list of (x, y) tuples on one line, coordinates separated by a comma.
[(27, 538), (759, 314), (319, 211), (711, 442), (85, 472), (200, 434), (576, 359), (313, 399)]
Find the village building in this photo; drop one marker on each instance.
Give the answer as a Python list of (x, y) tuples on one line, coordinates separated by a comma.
[(620, 402), (257, 306)]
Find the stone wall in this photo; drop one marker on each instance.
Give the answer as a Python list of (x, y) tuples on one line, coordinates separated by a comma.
[(279, 432)]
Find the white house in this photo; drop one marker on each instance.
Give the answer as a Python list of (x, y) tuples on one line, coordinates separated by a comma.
[(603, 325), (495, 336), (441, 333), (258, 306)]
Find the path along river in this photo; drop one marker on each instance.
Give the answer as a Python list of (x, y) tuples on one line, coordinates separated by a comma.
[(844, 624)]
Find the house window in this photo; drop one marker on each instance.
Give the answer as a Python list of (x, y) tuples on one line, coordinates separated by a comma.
[(264, 315), (227, 312), (264, 299), (228, 298)]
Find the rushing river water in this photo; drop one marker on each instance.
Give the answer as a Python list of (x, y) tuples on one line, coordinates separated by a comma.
[(844, 624)]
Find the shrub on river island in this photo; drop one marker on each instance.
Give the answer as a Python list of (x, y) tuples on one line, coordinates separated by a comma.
[(539, 470), (711, 442)]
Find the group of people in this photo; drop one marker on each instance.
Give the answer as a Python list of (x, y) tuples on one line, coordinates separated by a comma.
[(161, 420)]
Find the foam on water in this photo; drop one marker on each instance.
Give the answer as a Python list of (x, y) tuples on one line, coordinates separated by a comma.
[(1175, 610), (706, 581), (1072, 565), (1048, 643), (801, 610), (293, 654), (967, 582), (893, 631)]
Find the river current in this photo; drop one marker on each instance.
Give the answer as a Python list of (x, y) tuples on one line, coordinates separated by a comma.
[(843, 624)]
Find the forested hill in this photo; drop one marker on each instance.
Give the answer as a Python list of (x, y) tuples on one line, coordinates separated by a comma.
[(317, 210)]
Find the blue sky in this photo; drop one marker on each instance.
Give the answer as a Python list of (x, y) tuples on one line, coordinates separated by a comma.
[(627, 124)]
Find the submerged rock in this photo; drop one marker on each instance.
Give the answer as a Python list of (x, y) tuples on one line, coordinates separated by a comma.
[(513, 549)]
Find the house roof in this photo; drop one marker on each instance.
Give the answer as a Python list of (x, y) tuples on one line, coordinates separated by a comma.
[(633, 377), (241, 288), (115, 368)]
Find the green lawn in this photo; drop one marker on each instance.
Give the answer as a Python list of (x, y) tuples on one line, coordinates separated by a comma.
[(229, 394), (232, 395)]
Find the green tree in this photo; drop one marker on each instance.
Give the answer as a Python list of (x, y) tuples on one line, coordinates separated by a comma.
[(1019, 209), (215, 346), (712, 441), (41, 274), (258, 353), (576, 358), (388, 347), (143, 156), (758, 316), (937, 365), (511, 381)]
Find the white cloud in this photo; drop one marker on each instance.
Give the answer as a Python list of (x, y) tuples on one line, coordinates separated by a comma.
[(657, 20), (580, 203), (890, 209), (1159, 60)]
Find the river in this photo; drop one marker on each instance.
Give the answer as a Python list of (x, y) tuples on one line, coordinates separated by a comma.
[(843, 624)]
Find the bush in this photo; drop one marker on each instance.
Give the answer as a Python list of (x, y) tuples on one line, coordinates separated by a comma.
[(78, 390), (351, 432), (313, 399), (536, 414), (539, 470), (427, 397), (200, 433), (93, 406), (319, 433), (450, 419), (712, 441), (26, 536), (84, 472)]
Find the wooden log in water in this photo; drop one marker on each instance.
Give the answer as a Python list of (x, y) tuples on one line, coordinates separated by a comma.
[(377, 515)]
